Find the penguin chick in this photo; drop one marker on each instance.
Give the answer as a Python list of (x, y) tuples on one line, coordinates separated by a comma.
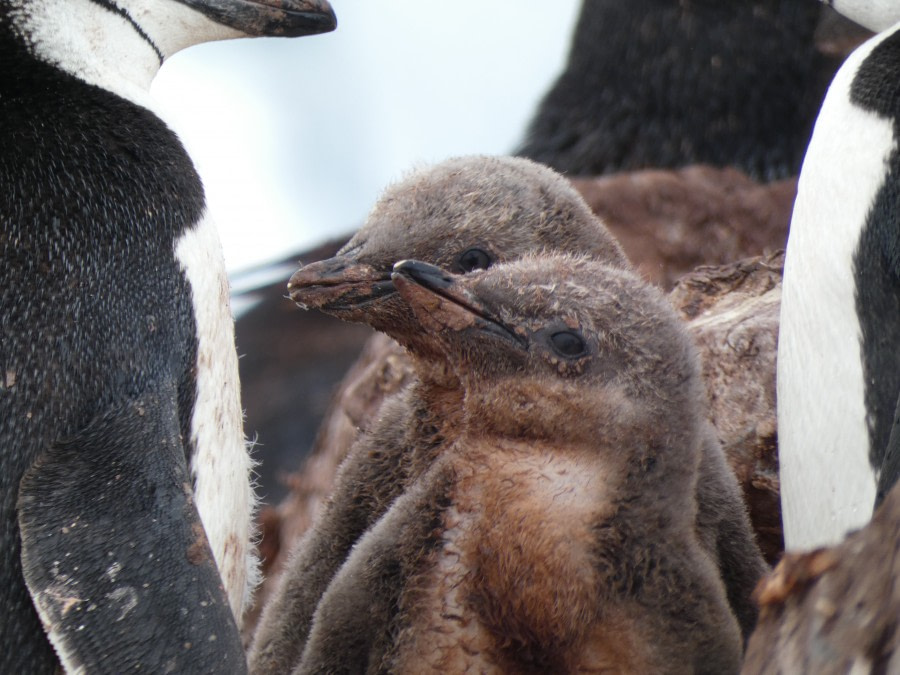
[(556, 531), (466, 209), (465, 213)]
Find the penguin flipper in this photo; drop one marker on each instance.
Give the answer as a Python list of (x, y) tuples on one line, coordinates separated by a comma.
[(371, 477), (350, 624), (114, 554), (890, 466), (286, 620), (726, 533), (356, 620)]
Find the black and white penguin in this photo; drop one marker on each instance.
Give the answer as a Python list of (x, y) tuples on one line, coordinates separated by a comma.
[(555, 531), (126, 498), (839, 344)]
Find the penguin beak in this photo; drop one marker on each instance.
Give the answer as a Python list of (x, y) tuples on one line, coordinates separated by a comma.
[(282, 18), (442, 304), (338, 283)]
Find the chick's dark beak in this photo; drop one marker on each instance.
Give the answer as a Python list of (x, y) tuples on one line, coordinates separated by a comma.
[(442, 303), (423, 274), (337, 283)]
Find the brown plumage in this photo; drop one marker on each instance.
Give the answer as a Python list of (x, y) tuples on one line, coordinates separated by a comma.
[(556, 531), (504, 208)]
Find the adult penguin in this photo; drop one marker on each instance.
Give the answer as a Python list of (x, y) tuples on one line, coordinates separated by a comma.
[(125, 515), (839, 344)]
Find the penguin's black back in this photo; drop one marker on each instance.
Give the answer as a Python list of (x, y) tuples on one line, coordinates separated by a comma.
[(667, 83), (94, 309)]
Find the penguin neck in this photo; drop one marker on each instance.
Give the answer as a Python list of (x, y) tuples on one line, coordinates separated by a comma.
[(92, 42), (110, 45), (439, 389)]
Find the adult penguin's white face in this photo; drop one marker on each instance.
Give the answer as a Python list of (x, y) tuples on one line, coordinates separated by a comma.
[(876, 15)]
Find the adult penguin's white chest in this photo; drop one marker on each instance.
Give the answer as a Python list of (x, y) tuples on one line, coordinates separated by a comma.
[(828, 484)]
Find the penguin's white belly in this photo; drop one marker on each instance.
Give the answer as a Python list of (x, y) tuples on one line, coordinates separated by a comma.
[(221, 462), (827, 483)]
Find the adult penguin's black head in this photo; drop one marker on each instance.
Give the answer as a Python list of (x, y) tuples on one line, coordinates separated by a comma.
[(93, 38), (877, 15), (288, 18)]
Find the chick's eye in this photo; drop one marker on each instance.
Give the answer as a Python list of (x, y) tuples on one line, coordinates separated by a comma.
[(567, 343), (474, 259)]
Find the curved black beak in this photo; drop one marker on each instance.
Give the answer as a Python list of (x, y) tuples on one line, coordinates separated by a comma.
[(424, 274), (276, 18), (442, 302)]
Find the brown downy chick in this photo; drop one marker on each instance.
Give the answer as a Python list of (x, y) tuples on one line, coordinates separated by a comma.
[(556, 531), (465, 214)]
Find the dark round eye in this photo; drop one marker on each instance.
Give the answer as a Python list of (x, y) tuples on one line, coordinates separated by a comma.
[(474, 259), (568, 343)]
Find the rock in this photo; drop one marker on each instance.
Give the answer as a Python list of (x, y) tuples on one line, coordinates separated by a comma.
[(834, 610), (669, 222), (290, 363), (732, 312)]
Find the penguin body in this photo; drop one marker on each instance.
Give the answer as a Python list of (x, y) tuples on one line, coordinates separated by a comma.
[(126, 497), (838, 364), (556, 531), (667, 84)]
